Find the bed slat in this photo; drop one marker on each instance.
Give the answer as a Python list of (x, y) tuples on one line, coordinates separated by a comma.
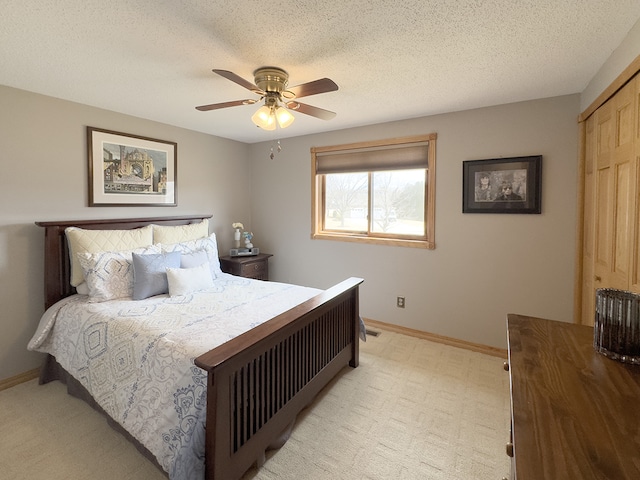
[(249, 382)]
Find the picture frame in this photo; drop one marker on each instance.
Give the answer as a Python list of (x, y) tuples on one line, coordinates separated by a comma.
[(502, 185), (130, 170)]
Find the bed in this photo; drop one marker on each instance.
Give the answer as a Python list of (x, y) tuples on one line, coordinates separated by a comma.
[(254, 384)]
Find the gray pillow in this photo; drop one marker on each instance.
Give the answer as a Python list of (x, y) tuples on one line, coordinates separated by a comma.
[(150, 273), (193, 259)]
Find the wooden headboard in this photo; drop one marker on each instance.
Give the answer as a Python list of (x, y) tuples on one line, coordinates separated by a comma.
[(57, 267)]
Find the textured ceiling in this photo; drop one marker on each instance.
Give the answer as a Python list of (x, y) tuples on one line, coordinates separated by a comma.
[(391, 59)]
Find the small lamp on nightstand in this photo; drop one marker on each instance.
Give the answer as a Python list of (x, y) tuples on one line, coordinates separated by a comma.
[(237, 234)]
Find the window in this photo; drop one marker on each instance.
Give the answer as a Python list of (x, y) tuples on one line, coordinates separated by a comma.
[(376, 192)]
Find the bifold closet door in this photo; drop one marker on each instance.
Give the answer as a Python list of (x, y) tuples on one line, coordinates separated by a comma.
[(610, 246)]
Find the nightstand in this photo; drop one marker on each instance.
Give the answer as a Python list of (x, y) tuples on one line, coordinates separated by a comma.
[(254, 266)]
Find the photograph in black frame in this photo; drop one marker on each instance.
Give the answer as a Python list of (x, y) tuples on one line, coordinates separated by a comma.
[(502, 185)]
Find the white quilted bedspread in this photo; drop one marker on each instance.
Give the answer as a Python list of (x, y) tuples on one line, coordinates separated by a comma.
[(136, 357)]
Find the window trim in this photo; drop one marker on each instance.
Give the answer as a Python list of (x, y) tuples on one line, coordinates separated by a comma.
[(318, 196)]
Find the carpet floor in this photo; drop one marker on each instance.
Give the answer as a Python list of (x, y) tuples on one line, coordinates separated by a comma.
[(413, 409)]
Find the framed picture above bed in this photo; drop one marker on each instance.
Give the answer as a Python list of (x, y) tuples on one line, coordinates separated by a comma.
[(502, 185), (127, 169)]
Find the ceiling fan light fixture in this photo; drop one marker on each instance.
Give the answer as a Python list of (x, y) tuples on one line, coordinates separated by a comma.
[(284, 117), (271, 84), (264, 118)]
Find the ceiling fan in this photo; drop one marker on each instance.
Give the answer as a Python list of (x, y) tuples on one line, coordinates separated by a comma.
[(271, 84)]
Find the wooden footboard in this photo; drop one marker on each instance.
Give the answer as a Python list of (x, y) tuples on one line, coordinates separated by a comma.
[(260, 381)]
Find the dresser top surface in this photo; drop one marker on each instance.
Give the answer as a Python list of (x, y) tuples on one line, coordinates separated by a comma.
[(576, 413)]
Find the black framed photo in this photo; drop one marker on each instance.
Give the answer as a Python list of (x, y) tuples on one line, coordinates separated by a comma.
[(502, 185), (131, 170)]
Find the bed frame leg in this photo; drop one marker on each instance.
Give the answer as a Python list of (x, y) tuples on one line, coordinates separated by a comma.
[(278, 443), (261, 460), (284, 436)]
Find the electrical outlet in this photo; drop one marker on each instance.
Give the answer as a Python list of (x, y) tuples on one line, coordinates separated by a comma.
[(400, 302)]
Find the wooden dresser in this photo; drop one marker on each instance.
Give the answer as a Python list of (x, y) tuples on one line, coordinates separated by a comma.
[(252, 266), (575, 414)]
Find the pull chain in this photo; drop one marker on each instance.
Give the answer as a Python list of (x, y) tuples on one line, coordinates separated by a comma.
[(278, 148)]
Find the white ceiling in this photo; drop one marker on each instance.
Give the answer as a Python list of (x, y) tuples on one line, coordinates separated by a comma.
[(391, 59)]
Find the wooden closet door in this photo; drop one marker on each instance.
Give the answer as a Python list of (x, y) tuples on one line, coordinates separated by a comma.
[(624, 188), (614, 196), (635, 267)]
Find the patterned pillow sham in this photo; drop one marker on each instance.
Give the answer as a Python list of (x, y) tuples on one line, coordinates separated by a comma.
[(208, 245), (109, 275)]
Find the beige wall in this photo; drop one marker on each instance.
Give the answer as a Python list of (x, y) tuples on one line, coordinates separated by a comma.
[(43, 156), (619, 59), (484, 265)]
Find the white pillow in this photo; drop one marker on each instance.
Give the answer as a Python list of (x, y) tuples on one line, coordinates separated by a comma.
[(208, 244), (183, 281), (180, 233), (82, 289), (93, 241), (109, 275)]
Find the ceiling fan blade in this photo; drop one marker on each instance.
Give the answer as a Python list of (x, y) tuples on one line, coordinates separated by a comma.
[(216, 106), (313, 88), (239, 80), (317, 112)]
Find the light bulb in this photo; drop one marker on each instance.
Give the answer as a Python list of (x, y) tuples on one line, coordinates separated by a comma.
[(264, 118), (284, 117)]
